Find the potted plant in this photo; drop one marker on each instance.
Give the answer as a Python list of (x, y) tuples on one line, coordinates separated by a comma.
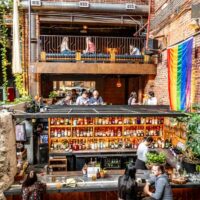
[(155, 158), (192, 151), (53, 96)]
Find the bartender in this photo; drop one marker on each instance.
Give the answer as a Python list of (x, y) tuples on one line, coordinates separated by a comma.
[(142, 150)]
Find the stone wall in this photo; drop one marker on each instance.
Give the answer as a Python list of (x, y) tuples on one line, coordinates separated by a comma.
[(8, 166)]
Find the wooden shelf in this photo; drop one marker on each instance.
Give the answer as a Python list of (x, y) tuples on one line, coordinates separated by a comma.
[(96, 126), (58, 163)]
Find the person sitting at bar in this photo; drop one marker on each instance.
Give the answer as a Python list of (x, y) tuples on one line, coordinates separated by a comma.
[(142, 150), (64, 48), (152, 100), (96, 99), (83, 99), (163, 189), (134, 50), (74, 95), (65, 101), (132, 99), (90, 47), (127, 186), (32, 189)]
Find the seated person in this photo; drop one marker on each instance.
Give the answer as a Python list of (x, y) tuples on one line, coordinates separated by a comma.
[(127, 186), (163, 189), (83, 99), (134, 50), (132, 99), (152, 100), (96, 99), (90, 47), (66, 101), (74, 95), (64, 48)]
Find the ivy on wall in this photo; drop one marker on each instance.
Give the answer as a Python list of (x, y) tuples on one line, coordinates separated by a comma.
[(19, 84), (6, 7), (4, 41)]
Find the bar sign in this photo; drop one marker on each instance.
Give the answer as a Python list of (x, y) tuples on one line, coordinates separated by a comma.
[(84, 4), (130, 6)]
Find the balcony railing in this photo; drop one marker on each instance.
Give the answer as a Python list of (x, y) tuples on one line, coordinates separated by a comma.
[(107, 49), (140, 2)]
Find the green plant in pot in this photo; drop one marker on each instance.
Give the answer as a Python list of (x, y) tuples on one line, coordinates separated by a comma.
[(192, 151), (155, 158), (53, 96)]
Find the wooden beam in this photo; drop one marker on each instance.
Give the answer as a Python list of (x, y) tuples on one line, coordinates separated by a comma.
[(94, 68)]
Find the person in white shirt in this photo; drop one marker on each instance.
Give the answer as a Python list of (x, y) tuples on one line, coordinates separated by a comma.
[(142, 150), (134, 50), (152, 100), (83, 99)]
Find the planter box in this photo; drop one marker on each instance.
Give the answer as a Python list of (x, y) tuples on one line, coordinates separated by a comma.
[(19, 106)]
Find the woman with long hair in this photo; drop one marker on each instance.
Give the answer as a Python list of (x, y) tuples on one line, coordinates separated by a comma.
[(32, 189), (127, 186)]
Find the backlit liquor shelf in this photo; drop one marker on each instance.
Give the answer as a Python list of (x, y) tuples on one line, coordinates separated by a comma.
[(108, 134), (84, 133)]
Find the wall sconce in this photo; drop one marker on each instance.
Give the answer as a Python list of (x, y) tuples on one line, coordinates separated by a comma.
[(118, 84), (194, 24)]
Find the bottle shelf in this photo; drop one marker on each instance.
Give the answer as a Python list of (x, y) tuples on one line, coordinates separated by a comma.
[(96, 127)]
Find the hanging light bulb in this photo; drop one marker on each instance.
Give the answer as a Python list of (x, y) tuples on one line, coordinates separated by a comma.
[(118, 84)]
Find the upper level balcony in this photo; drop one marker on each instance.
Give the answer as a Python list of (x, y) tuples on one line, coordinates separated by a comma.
[(54, 48), (64, 54)]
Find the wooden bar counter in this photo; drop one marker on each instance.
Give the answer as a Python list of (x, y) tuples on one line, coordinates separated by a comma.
[(101, 189)]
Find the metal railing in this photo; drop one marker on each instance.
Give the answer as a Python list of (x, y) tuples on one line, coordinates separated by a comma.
[(107, 48), (140, 2)]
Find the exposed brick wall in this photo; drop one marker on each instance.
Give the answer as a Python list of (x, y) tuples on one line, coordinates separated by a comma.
[(196, 67), (176, 31)]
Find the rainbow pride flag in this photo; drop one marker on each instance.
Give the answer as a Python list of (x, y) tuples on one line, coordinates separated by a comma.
[(179, 61)]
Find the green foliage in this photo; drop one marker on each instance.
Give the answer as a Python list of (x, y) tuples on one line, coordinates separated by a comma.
[(157, 158), (193, 134), (17, 100), (5, 8), (52, 94), (19, 85)]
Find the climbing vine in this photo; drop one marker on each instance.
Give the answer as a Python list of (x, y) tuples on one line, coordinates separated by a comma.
[(19, 84), (6, 9), (4, 41)]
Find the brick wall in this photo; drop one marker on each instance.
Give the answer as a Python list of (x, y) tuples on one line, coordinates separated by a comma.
[(176, 31)]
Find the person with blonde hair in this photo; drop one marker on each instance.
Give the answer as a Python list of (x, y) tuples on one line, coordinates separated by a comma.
[(90, 47), (64, 48), (134, 50)]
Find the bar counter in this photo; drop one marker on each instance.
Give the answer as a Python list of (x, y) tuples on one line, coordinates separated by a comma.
[(104, 188)]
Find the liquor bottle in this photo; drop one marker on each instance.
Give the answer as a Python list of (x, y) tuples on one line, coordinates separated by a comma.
[(58, 121), (52, 133), (52, 121), (55, 133), (65, 133), (61, 121)]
